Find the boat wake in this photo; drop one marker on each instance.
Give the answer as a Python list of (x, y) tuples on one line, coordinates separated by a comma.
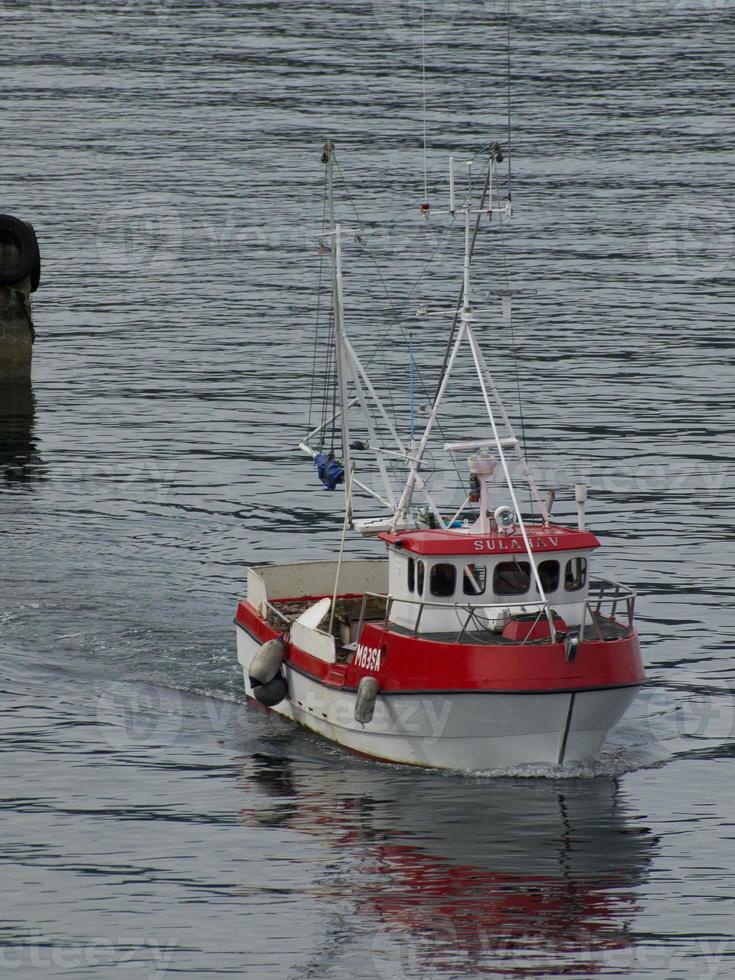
[(616, 760)]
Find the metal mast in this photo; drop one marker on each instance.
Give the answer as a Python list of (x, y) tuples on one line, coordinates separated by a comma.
[(341, 364), (340, 360)]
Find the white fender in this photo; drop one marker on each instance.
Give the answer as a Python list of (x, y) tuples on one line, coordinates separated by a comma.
[(267, 662), (367, 692)]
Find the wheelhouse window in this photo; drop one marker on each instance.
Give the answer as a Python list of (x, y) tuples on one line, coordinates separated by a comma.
[(575, 574), (512, 578), (420, 577), (548, 573), (411, 575), (443, 580), (474, 578)]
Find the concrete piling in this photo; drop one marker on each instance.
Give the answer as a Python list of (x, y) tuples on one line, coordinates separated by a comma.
[(16, 331), (20, 462)]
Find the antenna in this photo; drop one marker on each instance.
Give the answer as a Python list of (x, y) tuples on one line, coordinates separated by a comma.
[(467, 246)]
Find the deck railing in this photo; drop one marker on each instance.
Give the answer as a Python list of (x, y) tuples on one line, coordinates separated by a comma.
[(275, 613), (470, 615), (605, 599)]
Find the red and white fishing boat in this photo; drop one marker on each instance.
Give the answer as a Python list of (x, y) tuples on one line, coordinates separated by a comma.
[(480, 639)]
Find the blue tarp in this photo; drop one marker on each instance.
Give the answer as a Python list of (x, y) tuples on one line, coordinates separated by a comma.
[(330, 471)]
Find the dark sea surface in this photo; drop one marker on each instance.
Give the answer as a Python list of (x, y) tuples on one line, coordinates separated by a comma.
[(168, 155)]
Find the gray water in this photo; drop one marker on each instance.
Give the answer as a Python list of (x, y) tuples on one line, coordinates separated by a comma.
[(168, 155)]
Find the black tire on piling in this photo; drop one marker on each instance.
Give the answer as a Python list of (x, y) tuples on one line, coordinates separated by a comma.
[(36, 270), (26, 263)]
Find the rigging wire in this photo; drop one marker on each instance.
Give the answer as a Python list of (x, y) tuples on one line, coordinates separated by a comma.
[(379, 271), (510, 144), (513, 340), (328, 374), (423, 88), (442, 236), (334, 392), (410, 387), (381, 340), (514, 346), (380, 347), (503, 248), (488, 179), (380, 350), (393, 310)]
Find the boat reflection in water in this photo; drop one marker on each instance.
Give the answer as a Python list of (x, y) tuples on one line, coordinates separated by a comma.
[(20, 462), (459, 874)]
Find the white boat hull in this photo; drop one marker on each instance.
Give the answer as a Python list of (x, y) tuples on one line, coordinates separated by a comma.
[(458, 730)]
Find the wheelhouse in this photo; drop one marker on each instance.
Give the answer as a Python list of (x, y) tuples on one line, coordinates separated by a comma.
[(437, 579)]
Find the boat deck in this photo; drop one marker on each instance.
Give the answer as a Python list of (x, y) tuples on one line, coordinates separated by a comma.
[(601, 628), (349, 609)]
